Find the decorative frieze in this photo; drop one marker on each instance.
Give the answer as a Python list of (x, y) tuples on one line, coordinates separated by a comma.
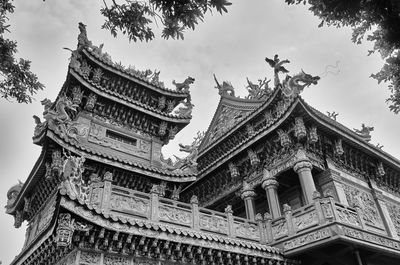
[(307, 239), (130, 205), (175, 215)]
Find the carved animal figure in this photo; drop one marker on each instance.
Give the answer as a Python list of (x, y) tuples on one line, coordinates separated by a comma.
[(365, 132), (278, 67), (60, 115), (332, 115), (225, 89), (260, 91), (185, 85), (82, 37), (12, 194), (72, 179), (292, 86), (185, 110)]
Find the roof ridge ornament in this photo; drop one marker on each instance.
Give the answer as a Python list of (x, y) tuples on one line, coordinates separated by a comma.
[(365, 132), (226, 89)]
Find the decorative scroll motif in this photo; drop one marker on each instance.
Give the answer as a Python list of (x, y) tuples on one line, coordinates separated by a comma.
[(66, 227), (91, 101), (175, 215), (305, 220), (214, 223), (279, 229), (89, 258), (248, 231), (131, 205), (116, 260), (226, 89), (307, 239), (12, 194), (284, 138), (259, 91), (313, 135), (233, 170), (72, 181), (365, 132), (338, 147), (299, 128), (367, 204), (394, 213)]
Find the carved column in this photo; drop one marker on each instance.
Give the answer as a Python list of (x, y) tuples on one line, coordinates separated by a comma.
[(248, 195), (383, 211), (303, 168), (270, 185)]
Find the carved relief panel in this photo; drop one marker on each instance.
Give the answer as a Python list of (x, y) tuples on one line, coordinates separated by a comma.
[(394, 213), (248, 231), (369, 210), (116, 260), (89, 258), (129, 205), (175, 215), (214, 223)]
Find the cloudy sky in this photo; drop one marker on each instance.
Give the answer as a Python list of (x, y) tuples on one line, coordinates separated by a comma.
[(232, 46)]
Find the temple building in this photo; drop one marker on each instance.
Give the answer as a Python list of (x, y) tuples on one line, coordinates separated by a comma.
[(271, 181)]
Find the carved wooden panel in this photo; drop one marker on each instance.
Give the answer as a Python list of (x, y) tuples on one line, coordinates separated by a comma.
[(248, 231), (129, 205), (279, 229), (305, 220), (214, 223), (394, 213), (175, 215)]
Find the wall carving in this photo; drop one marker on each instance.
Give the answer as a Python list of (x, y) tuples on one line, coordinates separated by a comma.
[(89, 258), (394, 213), (172, 214), (129, 204), (214, 223), (305, 220), (115, 260), (369, 211), (279, 229), (307, 239), (248, 231), (348, 217)]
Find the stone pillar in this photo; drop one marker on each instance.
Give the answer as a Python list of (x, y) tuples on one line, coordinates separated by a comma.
[(303, 168), (270, 185), (248, 195)]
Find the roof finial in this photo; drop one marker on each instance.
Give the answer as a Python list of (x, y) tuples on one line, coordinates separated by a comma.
[(225, 89), (278, 67)]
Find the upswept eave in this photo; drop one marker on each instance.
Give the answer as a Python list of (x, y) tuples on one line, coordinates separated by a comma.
[(107, 65), (127, 101)]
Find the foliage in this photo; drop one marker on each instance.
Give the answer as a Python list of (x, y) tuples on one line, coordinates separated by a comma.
[(17, 82), (134, 18), (378, 21)]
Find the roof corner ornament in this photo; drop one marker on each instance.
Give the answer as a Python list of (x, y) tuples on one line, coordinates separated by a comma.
[(185, 85), (260, 90), (13, 193), (226, 89), (332, 115), (278, 67), (365, 132)]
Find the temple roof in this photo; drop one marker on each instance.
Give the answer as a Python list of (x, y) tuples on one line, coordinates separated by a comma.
[(230, 111)]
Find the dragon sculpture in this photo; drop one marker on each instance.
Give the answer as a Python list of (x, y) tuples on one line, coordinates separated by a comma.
[(187, 164), (278, 67), (293, 86), (71, 178), (13, 193), (185, 110), (365, 132), (225, 89), (258, 91)]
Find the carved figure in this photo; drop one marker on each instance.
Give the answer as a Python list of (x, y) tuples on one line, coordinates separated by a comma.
[(260, 90), (176, 192), (82, 37), (225, 89), (12, 194), (72, 180), (365, 132), (278, 67), (293, 86), (185, 110), (185, 85), (332, 115)]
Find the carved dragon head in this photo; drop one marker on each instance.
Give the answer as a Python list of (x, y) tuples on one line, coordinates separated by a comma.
[(12, 193), (307, 79)]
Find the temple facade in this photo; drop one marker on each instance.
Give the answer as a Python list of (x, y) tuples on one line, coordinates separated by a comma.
[(271, 181)]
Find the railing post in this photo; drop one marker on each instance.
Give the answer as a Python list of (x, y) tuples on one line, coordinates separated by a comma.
[(356, 205), (195, 212), (105, 202), (287, 210), (231, 226), (268, 227), (318, 208), (154, 193), (259, 220)]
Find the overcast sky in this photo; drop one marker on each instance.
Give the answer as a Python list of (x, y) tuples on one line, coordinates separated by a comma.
[(232, 46)]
